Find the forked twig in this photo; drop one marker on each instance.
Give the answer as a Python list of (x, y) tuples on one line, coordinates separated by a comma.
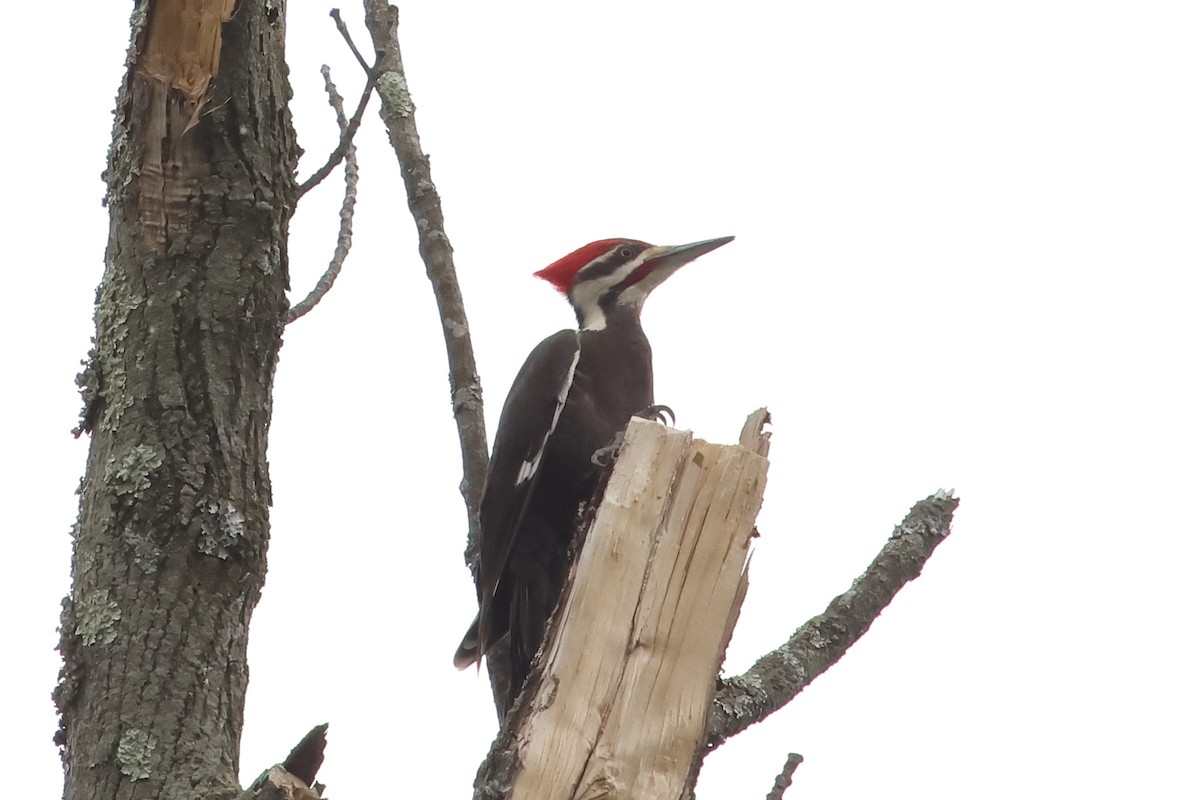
[(351, 128)]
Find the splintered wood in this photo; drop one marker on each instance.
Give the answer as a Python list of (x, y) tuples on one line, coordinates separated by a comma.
[(630, 666), (182, 47), (178, 56)]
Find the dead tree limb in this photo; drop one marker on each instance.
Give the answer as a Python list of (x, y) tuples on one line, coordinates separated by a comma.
[(817, 645), (585, 727), (336, 13), (466, 393), (346, 215), (346, 141), (784, 779)]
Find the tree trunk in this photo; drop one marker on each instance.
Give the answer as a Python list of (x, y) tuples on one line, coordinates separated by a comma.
[(170, 547)]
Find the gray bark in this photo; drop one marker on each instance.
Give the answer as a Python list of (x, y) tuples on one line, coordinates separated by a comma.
[(466, 392), (170, 546)]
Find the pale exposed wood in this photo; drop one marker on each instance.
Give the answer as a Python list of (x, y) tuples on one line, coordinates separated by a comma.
[(621, 705), (177, 56), (756, 440), (753, 436), (278, 784), (183, 43)]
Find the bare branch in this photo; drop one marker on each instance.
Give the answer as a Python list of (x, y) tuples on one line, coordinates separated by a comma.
[(783, 673), (784, 780), (348, 130), (336, 13), (466, 393), (345, 229), (346, 144)]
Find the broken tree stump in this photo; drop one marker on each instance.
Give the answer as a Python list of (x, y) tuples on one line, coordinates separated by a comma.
[(618, 704)]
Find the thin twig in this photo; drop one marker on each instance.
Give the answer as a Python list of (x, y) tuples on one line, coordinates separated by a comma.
[(336, 13), (466, 393), (784, 780), (345, 229), (347, 141), (817, 645), (348, 130)]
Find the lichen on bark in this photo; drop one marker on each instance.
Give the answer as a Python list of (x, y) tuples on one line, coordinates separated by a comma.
[(169, 551)]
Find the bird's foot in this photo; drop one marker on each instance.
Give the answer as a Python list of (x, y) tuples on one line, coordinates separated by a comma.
[(605, 455), (657, 412)]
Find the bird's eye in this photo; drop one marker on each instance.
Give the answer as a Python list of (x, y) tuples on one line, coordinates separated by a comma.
[(625, 252)]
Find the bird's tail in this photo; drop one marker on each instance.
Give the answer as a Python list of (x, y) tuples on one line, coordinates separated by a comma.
[(468, 652)]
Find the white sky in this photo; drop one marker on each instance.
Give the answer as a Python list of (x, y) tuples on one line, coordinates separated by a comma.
[(966, 257)]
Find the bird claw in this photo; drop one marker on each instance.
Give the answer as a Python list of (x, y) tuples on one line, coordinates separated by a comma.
[(605, 455), (658, 413)]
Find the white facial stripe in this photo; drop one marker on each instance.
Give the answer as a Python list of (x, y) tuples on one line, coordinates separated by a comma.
[(588, 291), (529, 468)]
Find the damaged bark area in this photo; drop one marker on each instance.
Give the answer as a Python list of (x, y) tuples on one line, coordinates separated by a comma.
[(170, 546), (178, 58)]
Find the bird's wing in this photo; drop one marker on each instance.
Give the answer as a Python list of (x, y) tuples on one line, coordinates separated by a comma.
[(530, 415)]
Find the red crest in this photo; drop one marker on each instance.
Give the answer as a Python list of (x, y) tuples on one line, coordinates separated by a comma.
[(561, 274)]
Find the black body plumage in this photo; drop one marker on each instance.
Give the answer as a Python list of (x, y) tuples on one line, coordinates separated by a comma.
[(576, 391)]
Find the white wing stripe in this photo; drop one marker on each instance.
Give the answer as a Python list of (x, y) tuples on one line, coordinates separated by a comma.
[(529, 468)]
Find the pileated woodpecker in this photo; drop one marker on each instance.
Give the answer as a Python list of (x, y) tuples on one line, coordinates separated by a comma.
[(575, 393)]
